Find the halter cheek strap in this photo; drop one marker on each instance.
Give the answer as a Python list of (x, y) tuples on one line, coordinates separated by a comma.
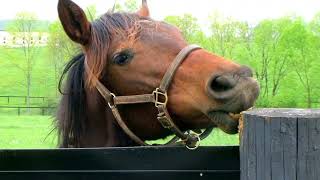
[(160, 99)]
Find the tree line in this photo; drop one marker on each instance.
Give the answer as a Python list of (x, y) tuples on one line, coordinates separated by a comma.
[(283, 52)]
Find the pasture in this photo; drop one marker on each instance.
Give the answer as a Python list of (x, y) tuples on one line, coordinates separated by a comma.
[(29, 132), (26, 132), (13, 68)]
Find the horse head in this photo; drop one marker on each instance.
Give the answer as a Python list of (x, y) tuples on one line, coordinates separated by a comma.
[(129, 53)]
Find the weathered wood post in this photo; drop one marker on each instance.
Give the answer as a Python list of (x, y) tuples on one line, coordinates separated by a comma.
[(280, 144)]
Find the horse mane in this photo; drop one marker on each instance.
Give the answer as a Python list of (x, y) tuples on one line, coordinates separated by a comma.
[(71, 113)]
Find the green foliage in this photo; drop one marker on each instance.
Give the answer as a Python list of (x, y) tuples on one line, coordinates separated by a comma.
[(131, 5), (23, 22), (14, 81), (91, 12), (60, 49), (283, 52), (187, 24), (127, 6)]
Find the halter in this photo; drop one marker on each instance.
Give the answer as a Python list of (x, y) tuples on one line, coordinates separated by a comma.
[(160, 99)]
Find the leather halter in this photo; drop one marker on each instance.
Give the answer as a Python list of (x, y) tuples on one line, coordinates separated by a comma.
[(160, 99)]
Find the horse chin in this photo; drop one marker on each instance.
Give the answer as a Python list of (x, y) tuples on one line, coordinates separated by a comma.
[(226, 121)]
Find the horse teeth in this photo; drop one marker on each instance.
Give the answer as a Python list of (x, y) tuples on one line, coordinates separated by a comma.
[(234, 116)]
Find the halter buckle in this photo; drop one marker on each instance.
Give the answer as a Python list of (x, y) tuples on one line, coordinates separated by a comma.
[(160, 98)]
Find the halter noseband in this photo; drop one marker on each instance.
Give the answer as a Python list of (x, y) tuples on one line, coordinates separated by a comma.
[(160, 99)]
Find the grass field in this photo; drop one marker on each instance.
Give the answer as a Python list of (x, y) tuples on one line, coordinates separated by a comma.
[(26, 132), (33, 132)]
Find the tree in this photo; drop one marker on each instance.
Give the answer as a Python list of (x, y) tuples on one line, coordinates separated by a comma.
[(225, 35), (306, 58), (315, 24), (281, 55), (23, 27), (126, 6), (268, 51), (187, 24), (131, 5), (60, 48)]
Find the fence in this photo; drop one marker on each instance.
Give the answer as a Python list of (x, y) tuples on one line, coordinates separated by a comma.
[(154, 163), (25, 98), (39, 105), (276, 144), (20, 109), (280, 144)]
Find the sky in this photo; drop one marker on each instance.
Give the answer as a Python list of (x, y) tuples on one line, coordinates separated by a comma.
[(246, 10)]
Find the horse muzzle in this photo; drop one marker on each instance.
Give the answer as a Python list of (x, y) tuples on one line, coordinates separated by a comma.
[(235, 92)]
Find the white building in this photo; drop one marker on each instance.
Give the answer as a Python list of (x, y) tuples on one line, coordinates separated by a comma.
[(21, 39), (4, 36)]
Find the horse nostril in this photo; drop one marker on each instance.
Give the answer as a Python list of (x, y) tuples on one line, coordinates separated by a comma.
[(222, 83), (222, 87)]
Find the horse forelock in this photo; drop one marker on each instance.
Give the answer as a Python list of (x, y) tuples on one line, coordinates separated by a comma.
[(103, 31)]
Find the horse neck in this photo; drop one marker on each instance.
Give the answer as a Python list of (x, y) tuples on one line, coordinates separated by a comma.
[(102, 129)]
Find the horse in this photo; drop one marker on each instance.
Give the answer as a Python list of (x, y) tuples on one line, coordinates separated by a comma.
[(137, 79)]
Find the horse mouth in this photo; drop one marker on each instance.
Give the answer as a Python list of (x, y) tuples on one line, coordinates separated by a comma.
[(226, 121)]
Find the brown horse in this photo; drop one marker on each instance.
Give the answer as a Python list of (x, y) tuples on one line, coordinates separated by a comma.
[(129, 53)]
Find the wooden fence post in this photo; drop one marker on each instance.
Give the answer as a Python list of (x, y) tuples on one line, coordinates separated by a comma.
[(280, 144)]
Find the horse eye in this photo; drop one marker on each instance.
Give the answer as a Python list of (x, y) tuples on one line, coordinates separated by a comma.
[(122, 58)]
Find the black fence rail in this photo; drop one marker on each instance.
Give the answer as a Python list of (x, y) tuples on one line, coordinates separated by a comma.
[(206, 163), (8, 99), (20, 109)]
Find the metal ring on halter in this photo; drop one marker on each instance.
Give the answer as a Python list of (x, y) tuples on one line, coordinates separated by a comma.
[(112, 105), (196, 145)]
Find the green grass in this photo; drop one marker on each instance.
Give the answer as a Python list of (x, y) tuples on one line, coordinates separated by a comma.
[(26, 132), (33, 132)]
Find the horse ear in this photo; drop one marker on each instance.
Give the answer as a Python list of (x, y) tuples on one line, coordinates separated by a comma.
[(74, 21), (113, 8), (144, 10)]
